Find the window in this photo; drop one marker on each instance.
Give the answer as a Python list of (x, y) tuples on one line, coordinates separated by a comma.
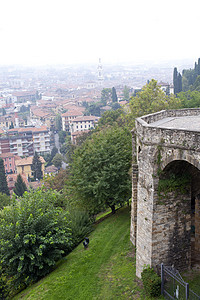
[(9, 158)]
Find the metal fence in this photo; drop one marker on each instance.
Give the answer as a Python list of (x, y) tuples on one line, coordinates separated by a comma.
[(174, 287)]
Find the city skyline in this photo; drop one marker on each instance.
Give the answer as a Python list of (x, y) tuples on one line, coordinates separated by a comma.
[(77, 32)]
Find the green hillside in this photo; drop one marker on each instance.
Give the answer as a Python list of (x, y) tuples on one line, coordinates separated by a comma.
[(106, 270)]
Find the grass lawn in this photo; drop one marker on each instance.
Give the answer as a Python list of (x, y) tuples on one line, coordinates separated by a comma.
[(106, 270)]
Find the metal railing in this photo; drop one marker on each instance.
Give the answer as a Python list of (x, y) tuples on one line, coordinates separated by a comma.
[(174, 287)]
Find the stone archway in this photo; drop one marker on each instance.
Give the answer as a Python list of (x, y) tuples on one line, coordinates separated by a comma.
[(162, 218), (175, 220)]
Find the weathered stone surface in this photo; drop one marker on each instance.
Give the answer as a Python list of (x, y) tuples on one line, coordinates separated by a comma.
[(161, 223)]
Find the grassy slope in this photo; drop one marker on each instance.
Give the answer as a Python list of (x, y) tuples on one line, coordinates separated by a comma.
[(106, 270)]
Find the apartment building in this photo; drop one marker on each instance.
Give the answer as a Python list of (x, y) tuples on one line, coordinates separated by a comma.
[(25, 141), (69, 116), (83, 123)]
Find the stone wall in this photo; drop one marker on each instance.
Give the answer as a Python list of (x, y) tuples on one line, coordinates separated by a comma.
[(161, 228)]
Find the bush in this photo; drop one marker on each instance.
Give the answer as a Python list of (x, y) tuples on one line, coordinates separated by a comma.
[(80, 225), (151, 282), (34, 235)]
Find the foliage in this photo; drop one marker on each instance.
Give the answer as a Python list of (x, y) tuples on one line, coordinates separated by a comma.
[(58, 123), (3, 182), (106, 95), (114, 95), (106, 270), (151, 99), (20, 186), (36, 167), (62, 135), (80, 224), (177, 81), (56, 181), (190, 76), (109, 118), (151, 282), (4, 200), (100, 169), (94, 109), (57, 160), (53, 153), (34, 234), (126, 93), (173, 183), (189, 99)]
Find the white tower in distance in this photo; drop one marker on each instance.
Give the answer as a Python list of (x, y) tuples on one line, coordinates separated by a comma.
[(100, 73)]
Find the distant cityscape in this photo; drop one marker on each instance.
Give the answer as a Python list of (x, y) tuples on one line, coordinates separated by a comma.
[(31, 99)]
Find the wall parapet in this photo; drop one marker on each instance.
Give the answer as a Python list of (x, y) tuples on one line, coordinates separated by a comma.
[(169, 137)]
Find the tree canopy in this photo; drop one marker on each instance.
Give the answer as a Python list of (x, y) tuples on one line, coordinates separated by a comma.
[(3, 182), (37, 167), (100, 169), (20, 186), (151, 99), (33, 236)]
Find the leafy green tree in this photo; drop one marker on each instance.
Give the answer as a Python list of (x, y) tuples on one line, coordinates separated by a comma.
[(57, 160), (109, 118), (126, 93), (151, 99), (93, 109), (20, 186), (3, 182), (114, 95), (100, 170), (37, 167), (4, 200), (62, 135), (58, 123), (106, 95), (189, 99), (196, 85), (34, 234)]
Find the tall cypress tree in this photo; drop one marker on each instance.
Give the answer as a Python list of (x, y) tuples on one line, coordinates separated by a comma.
[(3, 182), (20, 186), (37, 167), (114, 95)]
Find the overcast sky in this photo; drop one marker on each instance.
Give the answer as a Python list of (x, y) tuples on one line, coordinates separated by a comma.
[(81, 31)]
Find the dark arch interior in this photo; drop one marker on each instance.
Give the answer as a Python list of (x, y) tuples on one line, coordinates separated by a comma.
[(183, 169)]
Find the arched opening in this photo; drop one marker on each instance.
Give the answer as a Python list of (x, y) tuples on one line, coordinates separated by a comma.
[(178, 206)]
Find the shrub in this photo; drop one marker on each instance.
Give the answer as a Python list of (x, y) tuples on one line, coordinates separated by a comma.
[(81, 225), (151, 282), (33, 236)]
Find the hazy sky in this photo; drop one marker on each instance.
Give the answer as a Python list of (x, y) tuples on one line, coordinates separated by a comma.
[(81, 31)]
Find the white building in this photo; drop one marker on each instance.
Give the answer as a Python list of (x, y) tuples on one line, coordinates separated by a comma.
[(83, 123)]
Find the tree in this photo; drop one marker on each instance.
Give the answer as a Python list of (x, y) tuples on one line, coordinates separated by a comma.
[(37, 167), (4, 200), (57, 160), (151, 99), (58, 123), (34, 234), (177, 81), (100, 170), (56, 181), (126, 93), (105, 95), (114, 95), (20, 186), (3, 182), (109, 118), (62, 135)]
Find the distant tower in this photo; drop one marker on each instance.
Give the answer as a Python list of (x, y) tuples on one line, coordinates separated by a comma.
[(100, 72)]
